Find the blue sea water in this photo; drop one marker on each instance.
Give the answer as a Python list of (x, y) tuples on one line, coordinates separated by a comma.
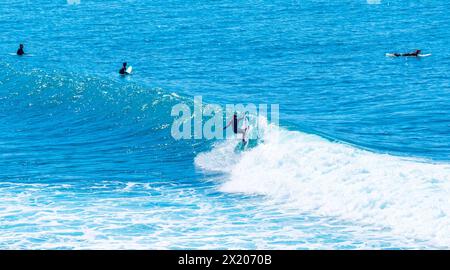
[(360, 158)]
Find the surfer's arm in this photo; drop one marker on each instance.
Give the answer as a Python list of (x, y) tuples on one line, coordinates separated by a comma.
[(229, 123)]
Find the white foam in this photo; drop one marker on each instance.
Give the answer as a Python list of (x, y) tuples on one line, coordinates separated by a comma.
[(37, 216), (409, 197)]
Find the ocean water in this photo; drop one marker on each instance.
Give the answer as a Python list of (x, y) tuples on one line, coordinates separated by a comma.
[(360, 157)]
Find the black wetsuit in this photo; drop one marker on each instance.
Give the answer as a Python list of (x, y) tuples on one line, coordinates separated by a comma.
[(20, 51), (410, 54), (406, 54), (123, 70), (235, 125)]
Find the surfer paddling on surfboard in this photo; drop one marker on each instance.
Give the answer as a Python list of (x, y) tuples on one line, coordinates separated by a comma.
[(125, 70), (20, 50), (237, 130), (413, 54)]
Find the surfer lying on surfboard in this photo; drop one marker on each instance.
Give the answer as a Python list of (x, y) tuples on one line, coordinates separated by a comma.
[(237, 130), (414, 54)]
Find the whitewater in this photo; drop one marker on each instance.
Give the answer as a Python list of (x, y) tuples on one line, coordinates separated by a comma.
[(405, 196)]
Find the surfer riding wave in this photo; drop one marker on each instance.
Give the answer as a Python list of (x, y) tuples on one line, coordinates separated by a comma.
[(234, 121)]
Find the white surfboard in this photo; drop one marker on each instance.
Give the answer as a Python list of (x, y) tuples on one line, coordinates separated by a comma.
[(247, 134), (129, 69), (26, 54)]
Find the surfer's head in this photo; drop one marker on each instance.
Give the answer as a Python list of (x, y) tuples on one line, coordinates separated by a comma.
[(124, 64), (418, 51), (21, 46)]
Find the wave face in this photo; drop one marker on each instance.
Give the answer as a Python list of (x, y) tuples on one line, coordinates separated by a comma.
[(68, 126), (405, 196)]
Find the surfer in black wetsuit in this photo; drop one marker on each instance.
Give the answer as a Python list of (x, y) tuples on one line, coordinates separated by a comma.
[(20, 50), (237, 130), (123, 70), (414, 54)]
